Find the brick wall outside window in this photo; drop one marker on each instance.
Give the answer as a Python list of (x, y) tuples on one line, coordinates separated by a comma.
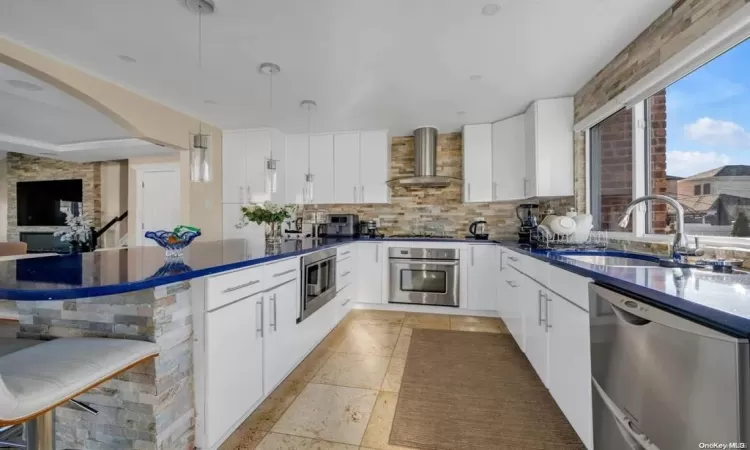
[(658, 134)]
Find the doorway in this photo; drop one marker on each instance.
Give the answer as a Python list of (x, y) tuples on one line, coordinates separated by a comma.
[(158, 191)]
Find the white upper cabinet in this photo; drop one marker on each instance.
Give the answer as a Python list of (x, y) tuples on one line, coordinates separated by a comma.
[(296, 167), (374, 163), (321, 165), (549, 148), (509, 158), (234, 148), (244, 159), (477, 142), (346, 167)]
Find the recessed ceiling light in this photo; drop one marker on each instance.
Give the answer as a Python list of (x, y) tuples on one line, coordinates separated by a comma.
[(25, 85), (210, 102), (490, 9), (126, 58), (475, 77)]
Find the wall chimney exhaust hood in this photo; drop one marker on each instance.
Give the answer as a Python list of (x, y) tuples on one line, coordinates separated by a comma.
[(425, 161)]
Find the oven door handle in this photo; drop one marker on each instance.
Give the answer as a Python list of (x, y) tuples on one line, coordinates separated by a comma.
[(423, 262)]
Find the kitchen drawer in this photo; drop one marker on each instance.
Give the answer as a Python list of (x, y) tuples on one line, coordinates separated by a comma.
[(344, 252), (224, 289), (344, 273), (512, 259), (570, 286), (280, 272)]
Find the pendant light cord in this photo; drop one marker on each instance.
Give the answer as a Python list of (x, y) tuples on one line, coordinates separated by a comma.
[(309, 130), (270, 105)]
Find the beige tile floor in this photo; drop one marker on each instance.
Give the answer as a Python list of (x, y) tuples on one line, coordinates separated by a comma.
[(343, 395)]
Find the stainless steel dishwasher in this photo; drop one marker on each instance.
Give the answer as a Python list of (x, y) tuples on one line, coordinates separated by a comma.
[(664, 382)]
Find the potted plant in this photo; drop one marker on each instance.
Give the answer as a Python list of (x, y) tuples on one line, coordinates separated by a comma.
[(267, 213), (77, 232)]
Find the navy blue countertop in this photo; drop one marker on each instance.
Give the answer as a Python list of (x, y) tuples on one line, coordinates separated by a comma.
[(719, 301), (119, 271)]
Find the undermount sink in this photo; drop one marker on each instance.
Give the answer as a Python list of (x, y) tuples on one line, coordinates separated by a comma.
[(613, 261)]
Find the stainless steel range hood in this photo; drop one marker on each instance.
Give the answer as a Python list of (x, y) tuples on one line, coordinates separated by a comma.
[(425, 163)]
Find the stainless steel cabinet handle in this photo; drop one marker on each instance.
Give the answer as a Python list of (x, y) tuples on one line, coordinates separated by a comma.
[(284, 272), (511, 284), (354, 197), (273, 299), (472, 255), (539, 303), (259, 323), (513, 258), (238, 287), (347, 301), (345, 253), (546, 313), (346, 273)]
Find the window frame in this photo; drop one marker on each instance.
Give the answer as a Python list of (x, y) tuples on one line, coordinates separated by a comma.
[(720, 39)]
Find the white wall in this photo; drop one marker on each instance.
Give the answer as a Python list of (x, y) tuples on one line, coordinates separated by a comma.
[(114, 200)]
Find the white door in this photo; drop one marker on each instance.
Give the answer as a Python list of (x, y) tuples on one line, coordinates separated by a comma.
[(570, 364), (233, 152), (296, 168), (477, 163), (370, 271), (531, 152), (346, 167), (321, 162), (234, 365), (509, 158), (258, 151), (374, 167), (160, 202), (283, 349), (534, 303), (482, 285)]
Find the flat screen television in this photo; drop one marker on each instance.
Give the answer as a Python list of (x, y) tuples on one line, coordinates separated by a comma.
[(44, 203)]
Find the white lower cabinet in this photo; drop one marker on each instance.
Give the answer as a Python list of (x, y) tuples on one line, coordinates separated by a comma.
[(370, 259), (482, 273), (535, 327), (283, 348), (233, 365), (510, 299), (344, 301), (570, 364)]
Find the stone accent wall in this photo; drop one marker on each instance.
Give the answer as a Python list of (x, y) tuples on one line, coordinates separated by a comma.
[(32, 168), (417, 207), (148, 407), (679, 26)]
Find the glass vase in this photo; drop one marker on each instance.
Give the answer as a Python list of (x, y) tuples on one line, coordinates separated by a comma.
[(273, 233)]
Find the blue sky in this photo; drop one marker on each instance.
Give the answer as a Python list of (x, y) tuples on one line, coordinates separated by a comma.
[(708, 115)]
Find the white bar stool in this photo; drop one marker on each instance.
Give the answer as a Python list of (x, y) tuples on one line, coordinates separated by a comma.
[(38, 376)]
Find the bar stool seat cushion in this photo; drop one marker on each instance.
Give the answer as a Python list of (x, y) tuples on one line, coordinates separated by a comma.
[(40, 377), (11, 345)]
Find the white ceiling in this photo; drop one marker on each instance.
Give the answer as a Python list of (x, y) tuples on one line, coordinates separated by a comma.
[(395, 64), (37, 118)]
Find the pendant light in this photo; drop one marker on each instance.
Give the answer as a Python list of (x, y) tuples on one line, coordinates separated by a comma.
[(308, 194), (200, 156), (270, 69)]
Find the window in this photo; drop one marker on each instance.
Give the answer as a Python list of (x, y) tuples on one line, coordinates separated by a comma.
[(695, 148), (612, 169)]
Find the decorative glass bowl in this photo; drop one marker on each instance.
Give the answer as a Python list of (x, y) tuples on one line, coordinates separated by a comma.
[(173, 243)]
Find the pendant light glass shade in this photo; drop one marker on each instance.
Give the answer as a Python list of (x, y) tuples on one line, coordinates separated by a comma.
[(309, 188), (200, 159), (271, 176)]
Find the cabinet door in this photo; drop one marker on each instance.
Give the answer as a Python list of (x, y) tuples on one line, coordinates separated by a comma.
[(482, 274), (477, 163), (283, 349), (234, 149), (346, 167), (374, 166), (534, 303), (570, 364), (554, 147), (345, 300), (234, 365), (321, 163), (370, 271), (296, 168), (531, 152), (509, 158), (513, 304), (258, 151)]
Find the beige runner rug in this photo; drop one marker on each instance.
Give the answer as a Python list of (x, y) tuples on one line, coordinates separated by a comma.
[(465, 390)]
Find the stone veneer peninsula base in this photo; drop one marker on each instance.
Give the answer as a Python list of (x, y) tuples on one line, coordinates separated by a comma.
[(150, 406)]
